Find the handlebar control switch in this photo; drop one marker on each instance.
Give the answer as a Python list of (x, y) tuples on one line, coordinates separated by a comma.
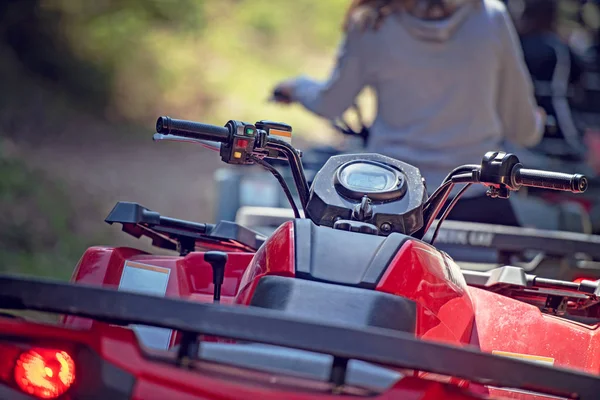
[(496, 172), (241, 143)]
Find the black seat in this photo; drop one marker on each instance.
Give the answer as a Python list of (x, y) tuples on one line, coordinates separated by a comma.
[(338, 304)]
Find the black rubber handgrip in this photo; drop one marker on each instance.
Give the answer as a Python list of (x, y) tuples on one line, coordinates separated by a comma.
[(190, 129), (574, 183)]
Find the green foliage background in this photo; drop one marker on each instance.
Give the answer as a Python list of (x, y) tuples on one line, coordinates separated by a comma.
[(117, 65), (209, 60)]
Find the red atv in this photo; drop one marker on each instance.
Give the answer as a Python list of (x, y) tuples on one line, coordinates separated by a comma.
[(347, 301)]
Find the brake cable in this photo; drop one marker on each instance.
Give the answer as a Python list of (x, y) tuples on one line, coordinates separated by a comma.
[(448, 210), (434, 204), (282, 183), (463, 168)]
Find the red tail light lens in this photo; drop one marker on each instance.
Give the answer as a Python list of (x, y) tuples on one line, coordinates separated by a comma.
[(45, 373)]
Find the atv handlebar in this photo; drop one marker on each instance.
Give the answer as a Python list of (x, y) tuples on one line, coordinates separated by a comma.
[(503, 173), (192, 130), (575, 183), (246, 144)]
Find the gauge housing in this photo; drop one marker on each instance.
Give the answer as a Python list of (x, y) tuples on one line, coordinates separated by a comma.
[(397, 204)]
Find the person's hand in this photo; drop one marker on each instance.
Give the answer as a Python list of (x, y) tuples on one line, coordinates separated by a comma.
[(283, 92), (542, 115)]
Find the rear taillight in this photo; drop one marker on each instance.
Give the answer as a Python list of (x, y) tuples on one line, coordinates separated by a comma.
[(41, 372), (45, 373)]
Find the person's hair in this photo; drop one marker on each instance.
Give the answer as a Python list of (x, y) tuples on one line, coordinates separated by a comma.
[(370, 14)]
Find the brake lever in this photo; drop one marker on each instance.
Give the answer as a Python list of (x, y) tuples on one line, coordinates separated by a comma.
[(174, 138)]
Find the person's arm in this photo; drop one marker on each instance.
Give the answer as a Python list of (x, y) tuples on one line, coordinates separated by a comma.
[(331, 98), (522, 120)]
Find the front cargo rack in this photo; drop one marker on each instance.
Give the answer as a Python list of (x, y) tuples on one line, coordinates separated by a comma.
[(373, 345)]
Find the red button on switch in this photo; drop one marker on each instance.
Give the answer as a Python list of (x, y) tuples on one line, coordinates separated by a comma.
[(241, 143)]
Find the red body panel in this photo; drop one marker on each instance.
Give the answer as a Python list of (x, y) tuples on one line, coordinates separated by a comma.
[(190, 276), (420, 273), (156, 380), (275, 257), (447, 311), (505, 324)]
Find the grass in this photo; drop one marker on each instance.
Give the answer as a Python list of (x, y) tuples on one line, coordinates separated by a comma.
[(37, 235)]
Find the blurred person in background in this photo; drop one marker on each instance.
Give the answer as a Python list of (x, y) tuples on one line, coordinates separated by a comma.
[(450, 82), (554, 68), (592, 97)]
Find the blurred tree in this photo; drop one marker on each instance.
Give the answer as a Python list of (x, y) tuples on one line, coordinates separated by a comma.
[(35, 35), (80, 44), (131, 60)]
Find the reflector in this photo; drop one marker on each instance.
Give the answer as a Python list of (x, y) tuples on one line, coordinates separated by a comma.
[(45, 373)]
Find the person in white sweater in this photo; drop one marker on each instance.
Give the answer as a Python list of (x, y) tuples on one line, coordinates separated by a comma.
[(450, 81)]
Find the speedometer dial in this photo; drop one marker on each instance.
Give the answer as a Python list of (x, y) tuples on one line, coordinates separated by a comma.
[(378, 181), (368, 177)]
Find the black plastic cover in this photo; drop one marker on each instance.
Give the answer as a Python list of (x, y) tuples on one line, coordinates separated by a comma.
[(335, 304), (170, 233), (98, 379), (125, 212), (325, 205), (343, 257)]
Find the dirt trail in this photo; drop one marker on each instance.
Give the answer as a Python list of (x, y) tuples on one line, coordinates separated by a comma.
[(99, 169), (175, 179)]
